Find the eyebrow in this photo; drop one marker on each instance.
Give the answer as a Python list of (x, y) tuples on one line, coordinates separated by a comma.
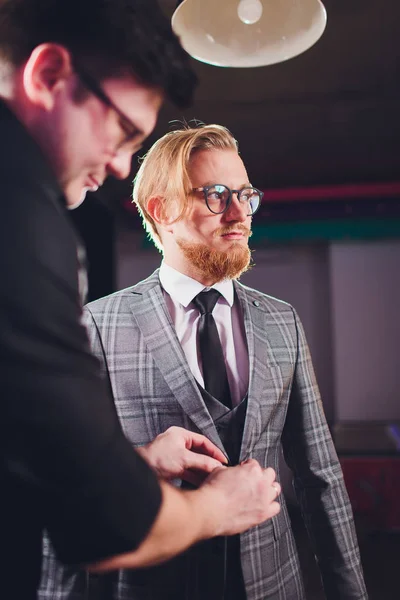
[(208, 183)]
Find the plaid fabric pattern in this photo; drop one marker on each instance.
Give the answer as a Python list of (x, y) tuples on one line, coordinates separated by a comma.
[(132, 334)]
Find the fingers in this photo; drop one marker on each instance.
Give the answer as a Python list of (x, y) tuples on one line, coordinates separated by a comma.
[(200, 462), (269, 475), (275, 486), (195, 442), (273, 509), (249, 495), (199, 443)]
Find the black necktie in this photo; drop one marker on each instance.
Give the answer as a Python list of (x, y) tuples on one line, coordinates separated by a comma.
[(212, 356)]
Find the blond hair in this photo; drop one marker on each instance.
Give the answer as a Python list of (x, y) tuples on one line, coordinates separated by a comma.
[(164, 170)]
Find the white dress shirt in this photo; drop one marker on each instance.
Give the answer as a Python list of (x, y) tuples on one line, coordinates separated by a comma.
[(179, 291)]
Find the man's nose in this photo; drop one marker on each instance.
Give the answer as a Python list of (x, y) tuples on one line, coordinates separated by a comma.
[(237, 211), (120, 165)]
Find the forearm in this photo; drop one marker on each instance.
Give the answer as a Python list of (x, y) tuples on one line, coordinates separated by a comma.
[(183, 519)]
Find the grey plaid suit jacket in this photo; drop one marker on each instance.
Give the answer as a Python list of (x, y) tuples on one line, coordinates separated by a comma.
[(132, 334)]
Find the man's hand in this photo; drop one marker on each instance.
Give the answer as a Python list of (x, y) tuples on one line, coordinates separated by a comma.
[(230, 501), (179, 453), (245, 496)]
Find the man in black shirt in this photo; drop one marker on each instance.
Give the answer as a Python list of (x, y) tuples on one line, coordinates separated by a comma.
[(81, 83)]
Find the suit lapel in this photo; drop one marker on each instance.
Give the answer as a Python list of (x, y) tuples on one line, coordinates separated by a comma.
[(259, 407), (153, 319)]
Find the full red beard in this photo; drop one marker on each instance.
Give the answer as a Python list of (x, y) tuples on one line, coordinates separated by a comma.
[(217, 265)]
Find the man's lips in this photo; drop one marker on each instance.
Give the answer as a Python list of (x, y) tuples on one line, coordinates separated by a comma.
[(234, 235), (234, 232), (92, 183)]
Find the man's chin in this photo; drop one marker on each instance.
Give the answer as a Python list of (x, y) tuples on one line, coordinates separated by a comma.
[(73, 202), (217, 265)]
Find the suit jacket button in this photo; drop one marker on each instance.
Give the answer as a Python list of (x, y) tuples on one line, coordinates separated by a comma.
[(256, 303)]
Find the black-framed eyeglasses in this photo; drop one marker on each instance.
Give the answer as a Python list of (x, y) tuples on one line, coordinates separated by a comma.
[(218, 197), (131, 131)]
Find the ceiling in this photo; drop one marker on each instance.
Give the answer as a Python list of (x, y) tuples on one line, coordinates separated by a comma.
[(329, 116)]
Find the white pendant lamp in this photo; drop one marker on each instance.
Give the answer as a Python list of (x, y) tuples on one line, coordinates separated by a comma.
[(248, 33)]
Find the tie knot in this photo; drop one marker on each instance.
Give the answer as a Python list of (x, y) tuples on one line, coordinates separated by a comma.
[(205, 301)]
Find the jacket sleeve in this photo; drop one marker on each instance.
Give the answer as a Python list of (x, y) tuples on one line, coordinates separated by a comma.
[(64, 455), (319, 484)]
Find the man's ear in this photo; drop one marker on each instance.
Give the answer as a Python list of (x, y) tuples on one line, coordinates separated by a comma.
[(156, 209), (45, 73)]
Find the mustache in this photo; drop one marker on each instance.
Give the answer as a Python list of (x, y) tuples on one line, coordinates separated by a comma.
[(233, 229)]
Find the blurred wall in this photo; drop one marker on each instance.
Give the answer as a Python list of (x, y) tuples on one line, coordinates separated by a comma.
[(365, 285)]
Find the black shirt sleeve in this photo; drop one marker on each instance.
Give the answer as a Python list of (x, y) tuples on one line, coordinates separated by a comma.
[(62, 445)]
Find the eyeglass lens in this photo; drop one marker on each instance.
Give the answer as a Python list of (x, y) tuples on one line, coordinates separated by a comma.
[(218, 198)]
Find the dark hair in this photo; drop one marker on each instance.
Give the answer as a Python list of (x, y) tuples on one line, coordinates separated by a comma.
[(111, 36)]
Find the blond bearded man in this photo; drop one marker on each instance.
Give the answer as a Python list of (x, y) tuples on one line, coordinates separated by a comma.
[(197, 204)]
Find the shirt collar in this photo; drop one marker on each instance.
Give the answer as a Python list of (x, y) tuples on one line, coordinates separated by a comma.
[(183, 289)]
